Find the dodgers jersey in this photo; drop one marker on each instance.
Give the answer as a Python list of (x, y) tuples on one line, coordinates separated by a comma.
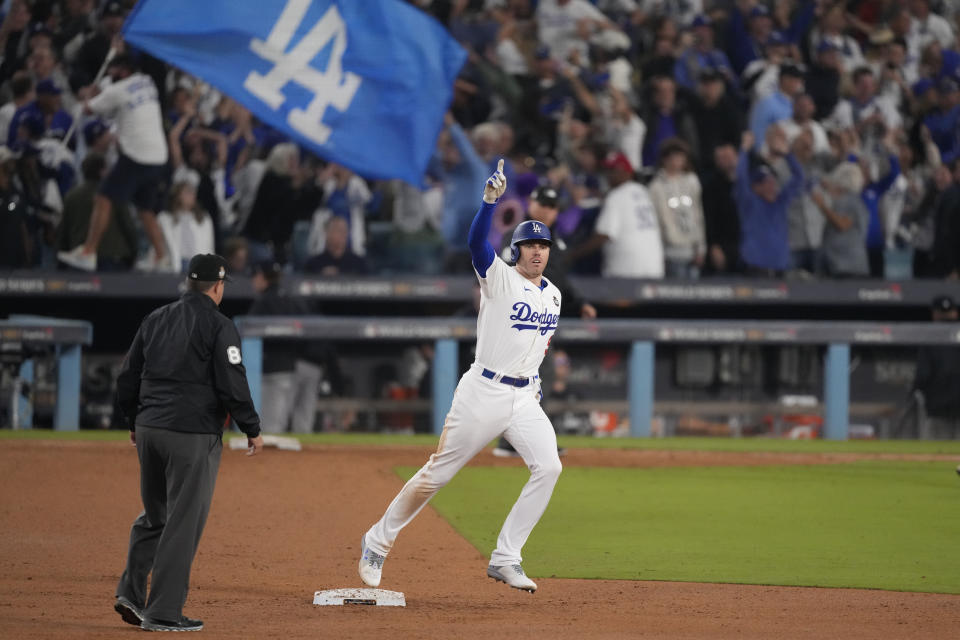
[(516, 321)]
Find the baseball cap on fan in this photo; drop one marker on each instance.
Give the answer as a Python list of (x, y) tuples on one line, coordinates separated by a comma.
[(113, 9), (617, 160), (208, 267), (546, 196)]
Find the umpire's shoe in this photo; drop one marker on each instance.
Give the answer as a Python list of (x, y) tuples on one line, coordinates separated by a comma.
[(512, 575), (371, 564), (183, 624), (131, 613)]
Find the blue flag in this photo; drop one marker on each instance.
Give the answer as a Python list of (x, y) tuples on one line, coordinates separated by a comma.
[(363, 83)]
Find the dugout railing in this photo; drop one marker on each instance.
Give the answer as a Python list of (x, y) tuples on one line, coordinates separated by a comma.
[(639, 336), (23, 338)]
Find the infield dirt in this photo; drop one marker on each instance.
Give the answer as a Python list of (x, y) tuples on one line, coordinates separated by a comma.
[(286, 524)]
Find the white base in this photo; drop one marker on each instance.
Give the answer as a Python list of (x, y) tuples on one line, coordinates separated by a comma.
[(378, 597), (284, 443)]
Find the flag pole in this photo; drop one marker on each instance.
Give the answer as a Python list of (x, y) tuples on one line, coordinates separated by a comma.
[(76, 118)]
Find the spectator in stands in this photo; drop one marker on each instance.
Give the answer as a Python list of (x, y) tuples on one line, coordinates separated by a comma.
[(831, 28), (201, 152), (562, 23), (822, 80), (748, 30), (16, 242), (666, 117), (764, 244), (290, 380), (845, 234), (23, 93), (876, 237), (805, 221), (463, 169), (625, 131), (347, 195), (337, 257), (76, 23), (778, 105), (416, 244), (906, 220), (56, 121), (675, 193), (718, 116), (803, 120), (760, 77), (895, 77), (627, 228), (187, 227), (939, 63), (282, 197), (702, 56), (236, 253), (938, 369), (721, 219), (132, 100), (118, 249), (44, 66), (926, 27), (944, 257), (899, 22), (46, 166), (662, 59), (871, 115), (944, 121), (542, 104), (93, 51)]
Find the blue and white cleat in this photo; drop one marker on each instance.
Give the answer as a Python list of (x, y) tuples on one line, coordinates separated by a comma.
[(371, 564)]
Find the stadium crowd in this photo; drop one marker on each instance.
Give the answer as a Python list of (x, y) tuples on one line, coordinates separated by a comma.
[(671, 138)]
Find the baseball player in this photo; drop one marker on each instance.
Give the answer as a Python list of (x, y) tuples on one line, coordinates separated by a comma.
[(499, 394)]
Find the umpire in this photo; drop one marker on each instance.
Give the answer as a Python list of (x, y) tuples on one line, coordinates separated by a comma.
[(180, 380)]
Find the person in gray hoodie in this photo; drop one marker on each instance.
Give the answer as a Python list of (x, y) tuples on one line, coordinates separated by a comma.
[(845, 234)]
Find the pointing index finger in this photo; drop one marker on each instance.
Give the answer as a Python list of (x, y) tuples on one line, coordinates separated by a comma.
[(500, 166)]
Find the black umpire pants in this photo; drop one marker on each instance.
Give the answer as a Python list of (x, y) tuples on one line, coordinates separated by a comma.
[(177, 475)]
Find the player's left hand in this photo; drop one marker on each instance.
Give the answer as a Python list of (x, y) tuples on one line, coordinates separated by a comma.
[(495, 186)]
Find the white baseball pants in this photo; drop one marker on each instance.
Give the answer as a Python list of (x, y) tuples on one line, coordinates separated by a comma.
[(483, 410)]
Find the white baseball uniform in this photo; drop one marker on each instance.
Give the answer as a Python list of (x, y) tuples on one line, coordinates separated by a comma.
[(498, 395)]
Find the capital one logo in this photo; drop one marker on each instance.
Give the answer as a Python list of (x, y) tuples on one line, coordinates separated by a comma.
[(536, 228), (331, 87)]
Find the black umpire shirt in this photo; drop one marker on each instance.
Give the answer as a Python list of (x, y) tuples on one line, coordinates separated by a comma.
[(184, 371)]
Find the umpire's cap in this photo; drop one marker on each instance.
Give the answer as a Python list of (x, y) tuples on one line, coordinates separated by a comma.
[(208, 267), (525, 232)]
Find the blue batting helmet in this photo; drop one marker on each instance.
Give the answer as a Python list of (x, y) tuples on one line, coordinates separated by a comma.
[(526, 231)]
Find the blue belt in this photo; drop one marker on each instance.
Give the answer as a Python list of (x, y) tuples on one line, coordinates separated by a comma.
[(513, 382)]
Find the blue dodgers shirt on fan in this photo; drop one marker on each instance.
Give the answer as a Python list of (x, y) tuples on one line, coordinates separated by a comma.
[(516, 321), (364, 84)]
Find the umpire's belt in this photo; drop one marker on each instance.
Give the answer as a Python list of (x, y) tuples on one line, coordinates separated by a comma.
[(507, 380)]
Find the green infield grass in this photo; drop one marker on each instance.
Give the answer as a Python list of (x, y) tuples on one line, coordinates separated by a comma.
[(872, 524), (574, 442)]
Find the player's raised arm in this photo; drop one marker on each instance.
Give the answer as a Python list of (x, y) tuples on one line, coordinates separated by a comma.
[(481, 251)]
